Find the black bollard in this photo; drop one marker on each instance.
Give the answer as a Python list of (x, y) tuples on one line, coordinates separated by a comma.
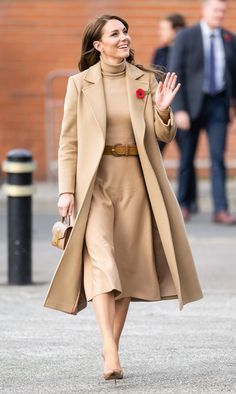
[(19, 167)]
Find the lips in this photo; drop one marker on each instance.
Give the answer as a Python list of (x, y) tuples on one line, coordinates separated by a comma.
[(124, 46)]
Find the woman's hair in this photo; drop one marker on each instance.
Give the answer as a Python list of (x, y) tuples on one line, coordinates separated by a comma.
[(93, 32), (177, 21)]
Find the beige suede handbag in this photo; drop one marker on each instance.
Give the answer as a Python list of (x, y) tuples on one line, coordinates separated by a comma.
[(60, 232)]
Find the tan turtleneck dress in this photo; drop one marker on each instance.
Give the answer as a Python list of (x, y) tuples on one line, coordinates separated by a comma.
[(118, 253)]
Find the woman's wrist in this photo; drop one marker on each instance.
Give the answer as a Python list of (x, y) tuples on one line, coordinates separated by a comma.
[(163, 110), (164, 113)]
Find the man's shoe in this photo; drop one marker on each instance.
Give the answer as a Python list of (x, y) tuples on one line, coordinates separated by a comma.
[(224, 217), (185, 213)]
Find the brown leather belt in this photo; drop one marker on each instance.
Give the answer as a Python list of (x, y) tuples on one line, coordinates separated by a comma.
[(121, 150)]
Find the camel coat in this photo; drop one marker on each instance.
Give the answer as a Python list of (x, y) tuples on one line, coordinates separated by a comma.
[(81, 147)]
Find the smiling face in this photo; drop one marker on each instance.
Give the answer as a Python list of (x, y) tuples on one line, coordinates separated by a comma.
[(214, 13), (114, 44)]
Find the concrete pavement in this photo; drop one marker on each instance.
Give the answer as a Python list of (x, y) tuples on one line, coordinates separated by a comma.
[(163, 350)]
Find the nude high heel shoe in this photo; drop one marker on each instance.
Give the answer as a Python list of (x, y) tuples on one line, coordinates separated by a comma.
[(113, 374)]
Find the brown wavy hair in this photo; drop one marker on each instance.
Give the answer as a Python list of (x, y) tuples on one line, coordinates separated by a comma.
[(93, 32)]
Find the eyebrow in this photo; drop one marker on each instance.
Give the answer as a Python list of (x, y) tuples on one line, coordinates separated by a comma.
[(117, 30)]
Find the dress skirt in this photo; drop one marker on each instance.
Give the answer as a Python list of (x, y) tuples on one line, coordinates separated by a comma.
[(118, 250)]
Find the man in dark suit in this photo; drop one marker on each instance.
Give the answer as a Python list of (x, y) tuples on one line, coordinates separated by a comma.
[(204, 58)]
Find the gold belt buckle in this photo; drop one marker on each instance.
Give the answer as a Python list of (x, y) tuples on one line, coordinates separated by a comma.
[(115, 153)]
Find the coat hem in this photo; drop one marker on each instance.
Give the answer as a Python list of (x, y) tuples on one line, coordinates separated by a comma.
[(71, 309), (197, 298), (67, 308)]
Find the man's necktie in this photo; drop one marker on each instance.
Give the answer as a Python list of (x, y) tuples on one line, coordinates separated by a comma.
[(212, 66)]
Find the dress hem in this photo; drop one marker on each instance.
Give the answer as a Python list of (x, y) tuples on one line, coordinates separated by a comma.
[(137, 298)]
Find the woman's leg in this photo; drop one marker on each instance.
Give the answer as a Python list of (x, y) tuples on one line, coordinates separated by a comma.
[(110, 315), (121, 309), (104, 306)]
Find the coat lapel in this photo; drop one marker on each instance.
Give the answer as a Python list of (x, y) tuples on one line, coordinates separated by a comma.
[(227, 39), (136, 105), (94, 93)]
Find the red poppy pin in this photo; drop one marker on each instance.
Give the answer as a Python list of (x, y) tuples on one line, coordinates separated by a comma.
[(140, 93), (227, 37)]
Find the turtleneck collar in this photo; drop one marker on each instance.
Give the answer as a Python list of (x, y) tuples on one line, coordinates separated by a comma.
[(113, 70)]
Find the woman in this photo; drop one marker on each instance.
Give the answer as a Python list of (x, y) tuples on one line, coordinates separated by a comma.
[(128, 240)]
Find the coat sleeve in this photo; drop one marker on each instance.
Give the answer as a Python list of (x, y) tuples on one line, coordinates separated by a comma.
[(67, 153), (164, 131)]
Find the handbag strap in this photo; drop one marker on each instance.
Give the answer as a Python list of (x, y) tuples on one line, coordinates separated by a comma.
[(65, 219)]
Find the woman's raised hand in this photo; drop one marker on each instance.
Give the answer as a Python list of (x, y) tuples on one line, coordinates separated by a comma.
[(166, 91), (66, 204)]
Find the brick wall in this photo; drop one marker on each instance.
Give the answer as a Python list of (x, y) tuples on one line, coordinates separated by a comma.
[(38, 37)]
